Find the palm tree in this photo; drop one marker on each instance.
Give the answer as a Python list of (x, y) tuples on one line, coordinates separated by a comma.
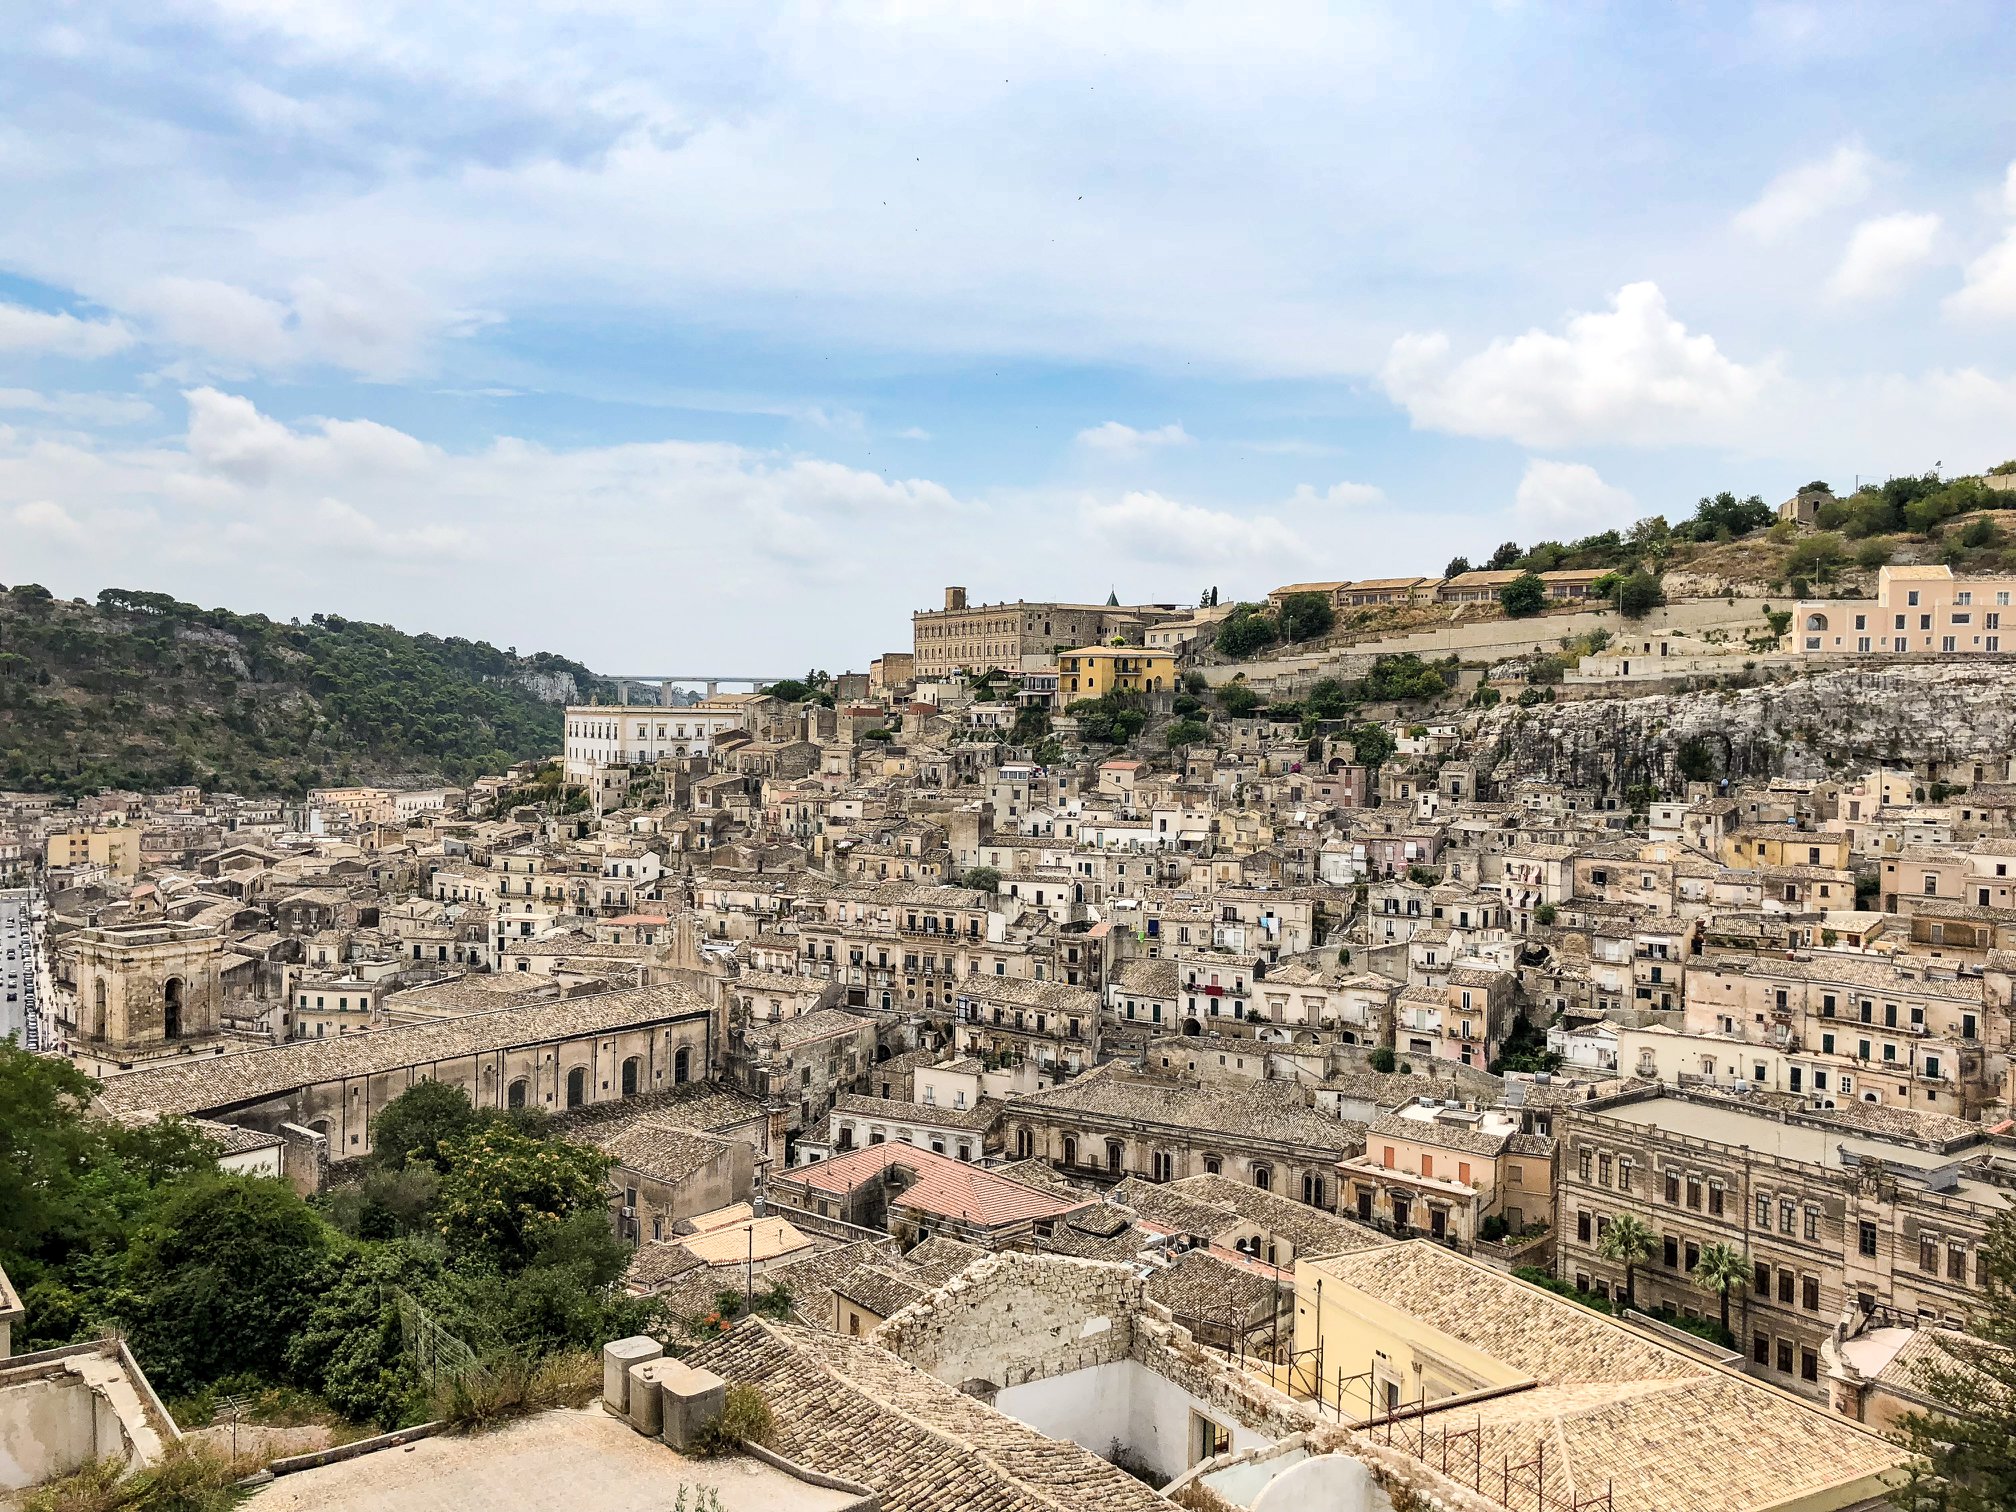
[(1722, 1269), (1629, 1241)]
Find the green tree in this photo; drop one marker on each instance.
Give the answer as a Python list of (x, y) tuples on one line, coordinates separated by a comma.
[(1638, 595), (981, 878), (1249, 628), (1630, 1243), (1458, 565), (219, 1278), (1507, 555), (1185, 732), (1382, 1059), (414, 1125), (1969, 1442), (1523, 597), (504, 1192), (45, 1144), (1237, 700), (1305, 616), (1372, 744), (1722, 1269)]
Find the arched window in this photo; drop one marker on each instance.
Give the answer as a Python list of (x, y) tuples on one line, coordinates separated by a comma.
[(577, 1086), (1025, 1144), (1115, 1155), (682, 1066), (1816, 622), (99, 1014), (171, 1007), (1070, 1150), (514, 1095), (1263, 1177), (633, 1074)]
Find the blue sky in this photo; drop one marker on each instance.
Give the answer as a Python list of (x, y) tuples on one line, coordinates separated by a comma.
[(675, 337)]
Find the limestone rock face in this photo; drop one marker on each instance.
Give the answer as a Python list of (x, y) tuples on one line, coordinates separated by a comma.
[(1905, 714)]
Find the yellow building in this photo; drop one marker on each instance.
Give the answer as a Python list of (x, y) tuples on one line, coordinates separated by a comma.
[(117, 850), (1521, 1385), (1094, 671), (1764, 847)]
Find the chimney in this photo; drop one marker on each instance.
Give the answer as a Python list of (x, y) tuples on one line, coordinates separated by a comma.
[(955, 598)]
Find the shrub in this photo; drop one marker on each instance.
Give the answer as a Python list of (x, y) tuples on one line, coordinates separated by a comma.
[(1248, 629), (1238, 700), (189, 1478), (1546, 914), (1381, 1059), (745, 1419), (1873, 553), (1523, 597), (1305, 616), (474, 1401), (1184, 732), (1540, 1278)]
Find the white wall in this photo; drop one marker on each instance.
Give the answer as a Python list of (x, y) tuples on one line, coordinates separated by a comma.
[(1148, 1413)]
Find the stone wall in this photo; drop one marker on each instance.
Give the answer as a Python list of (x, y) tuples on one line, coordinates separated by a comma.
[(1018, 1317), (1909, 714)]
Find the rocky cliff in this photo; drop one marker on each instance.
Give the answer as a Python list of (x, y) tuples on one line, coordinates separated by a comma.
[(1905, 714)]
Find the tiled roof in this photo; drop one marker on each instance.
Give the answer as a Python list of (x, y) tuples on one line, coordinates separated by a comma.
[(849, 1408), (1240, 1113), (1660, 1427), (953, 1188), (978, 1117), (193, 1085), (1199, 1285), (661, 1150)]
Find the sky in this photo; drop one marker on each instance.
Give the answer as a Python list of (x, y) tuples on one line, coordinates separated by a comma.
[(718, 338)]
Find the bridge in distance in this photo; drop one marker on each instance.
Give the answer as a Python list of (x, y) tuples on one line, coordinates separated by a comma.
[(664, 682)]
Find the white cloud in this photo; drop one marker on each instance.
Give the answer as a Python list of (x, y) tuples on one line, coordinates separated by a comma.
[(1880, 254), (1116, 440), (41, 517), (1842, 178), (1989, 289), (2009, 190), (1630, 374), (91, 409), (59, 333), (1155, 528), (374, 326), (1337, 496), (1570, 499), (341, 513)]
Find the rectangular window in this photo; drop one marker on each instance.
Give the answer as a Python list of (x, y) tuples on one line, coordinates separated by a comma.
[(1865, 1240), (1928, 1254), (1809, 1293)]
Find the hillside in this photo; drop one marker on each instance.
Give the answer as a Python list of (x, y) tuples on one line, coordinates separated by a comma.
[(141, 691)]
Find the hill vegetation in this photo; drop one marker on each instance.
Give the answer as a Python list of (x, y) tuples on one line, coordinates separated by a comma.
[(139, 690)]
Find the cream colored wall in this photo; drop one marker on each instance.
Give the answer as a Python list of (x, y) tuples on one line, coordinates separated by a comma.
[(1360, 1333)]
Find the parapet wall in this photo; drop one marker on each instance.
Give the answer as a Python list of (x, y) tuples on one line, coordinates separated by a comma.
[(1015, 1318)]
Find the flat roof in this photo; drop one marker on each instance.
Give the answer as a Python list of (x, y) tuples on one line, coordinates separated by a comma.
[(556, 1460), (1808, 1143)]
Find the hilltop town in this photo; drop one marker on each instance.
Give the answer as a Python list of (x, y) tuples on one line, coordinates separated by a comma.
[(1328, 1048)]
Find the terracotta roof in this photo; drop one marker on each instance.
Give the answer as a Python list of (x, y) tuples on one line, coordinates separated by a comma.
[(952, 1188)]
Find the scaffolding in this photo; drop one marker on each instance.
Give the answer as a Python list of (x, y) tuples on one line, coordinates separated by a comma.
[(1459, 1454)]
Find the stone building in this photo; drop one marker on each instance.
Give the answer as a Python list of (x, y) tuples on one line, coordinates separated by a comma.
[(1113, 1123), (1858, 1208), (323, 1094), (962, 636), (142, 991)]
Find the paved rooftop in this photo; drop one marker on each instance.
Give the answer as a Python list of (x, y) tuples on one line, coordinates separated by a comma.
[(557, 1460)]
